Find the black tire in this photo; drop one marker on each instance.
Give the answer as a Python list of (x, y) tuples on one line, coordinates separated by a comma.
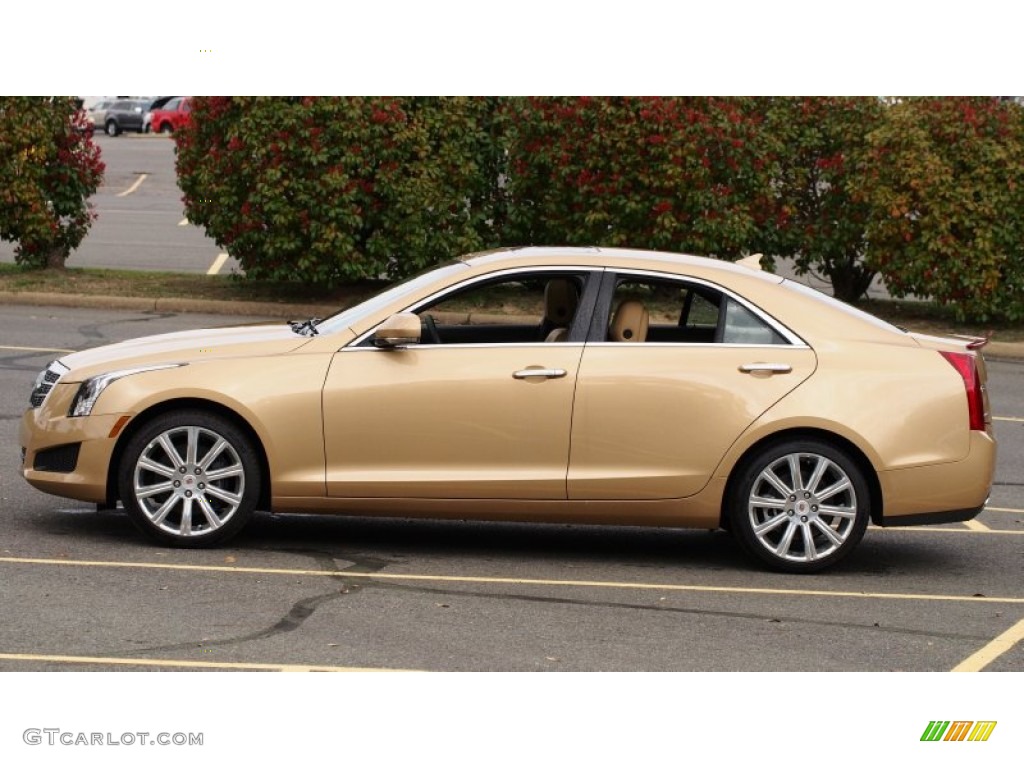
[(800, 521), (112, 128), (189, 478), (166, 128)]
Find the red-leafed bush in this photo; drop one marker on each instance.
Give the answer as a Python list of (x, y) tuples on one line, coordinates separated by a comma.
[(820, 213), (327, 190), (49, 168), (679, 174), (946, 185)]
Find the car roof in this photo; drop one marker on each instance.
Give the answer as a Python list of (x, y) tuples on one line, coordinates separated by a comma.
[(620, 258)]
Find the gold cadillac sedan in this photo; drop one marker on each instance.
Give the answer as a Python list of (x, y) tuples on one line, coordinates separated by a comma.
[(571, 385)]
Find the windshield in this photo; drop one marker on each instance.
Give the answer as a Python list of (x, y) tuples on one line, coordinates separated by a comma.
[(410, 285)]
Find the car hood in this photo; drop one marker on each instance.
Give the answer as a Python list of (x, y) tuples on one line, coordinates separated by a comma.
[(185, 346)]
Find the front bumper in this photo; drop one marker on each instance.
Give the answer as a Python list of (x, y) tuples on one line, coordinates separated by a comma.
[(49, 427)]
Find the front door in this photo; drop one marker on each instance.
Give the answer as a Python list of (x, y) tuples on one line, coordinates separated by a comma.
[(480, 409)]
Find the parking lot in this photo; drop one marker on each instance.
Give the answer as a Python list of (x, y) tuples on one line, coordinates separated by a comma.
[(141, 222), (83, 590)]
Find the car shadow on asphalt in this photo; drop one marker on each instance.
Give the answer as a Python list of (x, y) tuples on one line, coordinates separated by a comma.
[(402, 540)]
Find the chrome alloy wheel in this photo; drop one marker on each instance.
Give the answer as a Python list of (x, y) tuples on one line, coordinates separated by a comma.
[(188, 481), (802, 507)]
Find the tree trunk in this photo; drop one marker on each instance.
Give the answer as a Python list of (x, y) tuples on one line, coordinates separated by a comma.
[(850, 280), (56, 257)]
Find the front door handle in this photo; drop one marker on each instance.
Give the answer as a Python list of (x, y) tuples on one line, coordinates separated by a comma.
[(766, 369), (539, 373)]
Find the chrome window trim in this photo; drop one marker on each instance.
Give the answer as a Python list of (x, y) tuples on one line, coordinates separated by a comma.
[(696, 345), (488, 345), (791, 337), (472, 281)]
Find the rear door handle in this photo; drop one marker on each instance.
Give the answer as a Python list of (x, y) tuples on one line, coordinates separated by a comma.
[(766, 368), (539, 373)]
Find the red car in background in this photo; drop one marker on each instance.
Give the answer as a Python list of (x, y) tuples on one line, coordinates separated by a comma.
[(174, 114)]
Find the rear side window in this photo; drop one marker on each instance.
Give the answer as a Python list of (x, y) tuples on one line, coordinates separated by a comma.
[(741, 326), (682, 312)]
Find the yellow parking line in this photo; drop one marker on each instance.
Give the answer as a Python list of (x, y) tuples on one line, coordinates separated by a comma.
[(217, 264), (511, 581), (186, 664), (183, 223), (37, 349), (932, 529), (133, 187), (974, 525), (1007, 418), (1004, 509), (985, 656)]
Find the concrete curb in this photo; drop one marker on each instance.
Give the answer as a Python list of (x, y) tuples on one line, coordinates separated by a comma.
[(1004, 350), (995, 350)]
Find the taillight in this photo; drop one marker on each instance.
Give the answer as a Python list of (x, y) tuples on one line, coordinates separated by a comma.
[(968, 370)]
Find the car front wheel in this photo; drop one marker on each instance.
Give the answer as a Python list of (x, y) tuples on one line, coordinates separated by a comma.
[(112, 129), (800, 506), (189, 479)]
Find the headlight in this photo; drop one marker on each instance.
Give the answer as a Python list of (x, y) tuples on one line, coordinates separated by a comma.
[(92, 388)]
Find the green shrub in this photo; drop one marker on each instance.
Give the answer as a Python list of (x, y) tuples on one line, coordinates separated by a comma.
[(946, 186), (678, 174), (820, 214), (49, 168), (329, 190)]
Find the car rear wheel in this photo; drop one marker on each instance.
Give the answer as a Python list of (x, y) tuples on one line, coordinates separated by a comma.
[(800, 506), (190, 479), (112, 129), (166, 128)]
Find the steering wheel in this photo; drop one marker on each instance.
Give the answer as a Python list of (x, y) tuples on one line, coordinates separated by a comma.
[(431, 328)]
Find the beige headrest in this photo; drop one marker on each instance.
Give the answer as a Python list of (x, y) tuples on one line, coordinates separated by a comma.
[(630, 322), (559, 301)]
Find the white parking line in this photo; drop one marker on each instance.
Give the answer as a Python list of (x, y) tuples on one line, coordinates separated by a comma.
[(133, 187), (1005, 509), (217, 264), (183, 223), (1007, 418), (985, 656)]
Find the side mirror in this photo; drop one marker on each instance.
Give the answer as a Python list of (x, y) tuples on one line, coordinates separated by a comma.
[(399, 330)]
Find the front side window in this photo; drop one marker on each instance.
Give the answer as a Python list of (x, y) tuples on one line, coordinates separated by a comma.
[(521, 308)]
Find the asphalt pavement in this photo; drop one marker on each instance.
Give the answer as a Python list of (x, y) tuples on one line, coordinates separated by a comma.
[(83, 590)]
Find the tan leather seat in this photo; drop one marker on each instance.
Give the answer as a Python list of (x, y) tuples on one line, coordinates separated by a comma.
[(630, 322)]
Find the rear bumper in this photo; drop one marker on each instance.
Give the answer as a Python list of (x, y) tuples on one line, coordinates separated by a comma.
[(940, 493)]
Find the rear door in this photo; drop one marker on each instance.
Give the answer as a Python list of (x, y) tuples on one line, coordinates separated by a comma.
[(655, 415)]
